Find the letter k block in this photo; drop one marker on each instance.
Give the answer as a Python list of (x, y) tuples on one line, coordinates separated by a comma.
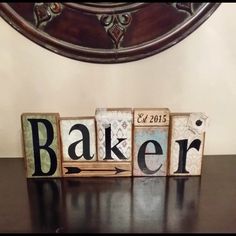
[(114, 136)]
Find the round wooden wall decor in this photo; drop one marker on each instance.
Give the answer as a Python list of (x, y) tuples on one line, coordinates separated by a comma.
[(106, 32)]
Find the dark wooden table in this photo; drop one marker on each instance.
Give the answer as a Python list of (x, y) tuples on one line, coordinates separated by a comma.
[(120, 205)]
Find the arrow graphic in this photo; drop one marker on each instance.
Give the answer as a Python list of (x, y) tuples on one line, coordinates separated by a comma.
[(76, 170)]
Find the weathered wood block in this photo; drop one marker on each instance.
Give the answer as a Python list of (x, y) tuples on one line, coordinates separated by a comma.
[(186, 143), (150, 151), (78, 138), (114, 134), (41, 144), (150, 142), (96, 169)]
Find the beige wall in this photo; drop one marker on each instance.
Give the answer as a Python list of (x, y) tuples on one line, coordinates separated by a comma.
[(197, 74)]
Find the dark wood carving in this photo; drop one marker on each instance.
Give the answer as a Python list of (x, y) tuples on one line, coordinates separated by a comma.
[(106, 32)]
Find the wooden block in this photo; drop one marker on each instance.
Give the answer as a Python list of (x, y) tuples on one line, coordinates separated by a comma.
[(151, 117), (114, 134), (96, 169), (186, 143), (41, 144), (151, 129), (78, 137), (150, 151)]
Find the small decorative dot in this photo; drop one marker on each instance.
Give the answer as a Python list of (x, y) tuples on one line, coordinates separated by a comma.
[(198, 123)]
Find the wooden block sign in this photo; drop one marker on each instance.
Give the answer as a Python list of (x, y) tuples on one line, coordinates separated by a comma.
[(150, 142), (96, 169), (187, 143), (78, 137), (41, 144), (114, 134), (114, 143)]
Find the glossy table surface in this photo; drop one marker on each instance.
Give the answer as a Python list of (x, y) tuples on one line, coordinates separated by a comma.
[(120, 205)]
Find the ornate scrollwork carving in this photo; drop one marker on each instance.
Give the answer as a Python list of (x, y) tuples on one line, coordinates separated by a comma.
[(106, 32), (115, 26), (45, 12)]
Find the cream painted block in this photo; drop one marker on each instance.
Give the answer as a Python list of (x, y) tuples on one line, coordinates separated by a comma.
[(186, 140), (150, 151), (41, 144), (78, 138), (114, 134), (96, 169), (151, 117)]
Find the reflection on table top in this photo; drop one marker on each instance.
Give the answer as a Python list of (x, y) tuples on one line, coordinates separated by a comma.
[(120, 205)]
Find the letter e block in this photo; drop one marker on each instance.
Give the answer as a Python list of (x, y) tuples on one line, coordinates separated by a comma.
[(151, 129), (186, 143), (41, 144)]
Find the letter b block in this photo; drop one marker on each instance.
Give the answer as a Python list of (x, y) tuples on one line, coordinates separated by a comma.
[(41, 145)]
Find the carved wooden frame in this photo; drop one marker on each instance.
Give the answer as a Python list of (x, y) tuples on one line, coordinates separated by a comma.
[(106, 32)]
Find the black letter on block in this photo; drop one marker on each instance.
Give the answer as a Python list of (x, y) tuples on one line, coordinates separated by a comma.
[(142, 153), (183, 149), (37, 147), (108, 147), (86, 143)]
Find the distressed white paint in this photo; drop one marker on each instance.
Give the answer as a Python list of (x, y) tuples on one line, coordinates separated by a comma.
[(68, 138), (180, 131), (120, 122)]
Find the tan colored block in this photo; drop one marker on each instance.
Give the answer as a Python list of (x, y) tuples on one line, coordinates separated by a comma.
[(151, 117), (150, 151), (186, 144), (41, 144), (96, 169), (78, 138), (114, 134)]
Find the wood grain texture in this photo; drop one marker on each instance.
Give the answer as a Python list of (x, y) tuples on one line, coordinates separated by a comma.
[(96, 169), (41, 136), (74, 130), (182, 135)]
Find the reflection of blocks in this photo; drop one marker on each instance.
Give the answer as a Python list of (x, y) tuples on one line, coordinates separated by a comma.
[(150, 142), (78, 138), (41, 144), (186, 146), (114, 128)]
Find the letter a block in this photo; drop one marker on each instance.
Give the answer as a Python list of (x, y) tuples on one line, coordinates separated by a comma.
[(114, 136), (78, 137), (151, 128), (41, 145), (186, 143)]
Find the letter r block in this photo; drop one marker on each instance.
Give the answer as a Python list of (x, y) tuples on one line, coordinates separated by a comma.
[(41, 144), (186, 143)]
